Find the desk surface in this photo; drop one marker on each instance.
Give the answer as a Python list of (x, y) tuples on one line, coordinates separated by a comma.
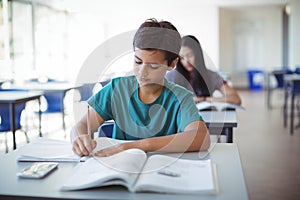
[(15, 96), (220, 118), (47, 87), (226, 156)]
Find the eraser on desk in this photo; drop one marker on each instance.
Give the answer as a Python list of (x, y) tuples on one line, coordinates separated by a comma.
[(38, 170)]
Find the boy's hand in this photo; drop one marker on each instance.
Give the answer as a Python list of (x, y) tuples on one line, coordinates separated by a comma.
[(83, 145)]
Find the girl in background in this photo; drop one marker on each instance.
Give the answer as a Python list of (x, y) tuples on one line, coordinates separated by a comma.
[(191, 73)]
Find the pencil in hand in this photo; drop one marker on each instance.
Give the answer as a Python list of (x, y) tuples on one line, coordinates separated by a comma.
[(89, 129), (88, 121)]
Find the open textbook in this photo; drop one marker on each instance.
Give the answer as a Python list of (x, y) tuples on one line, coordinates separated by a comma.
[(157, 173), (218, 106)]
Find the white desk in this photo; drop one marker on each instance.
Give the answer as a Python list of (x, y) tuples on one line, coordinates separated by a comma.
[(226, 156), (12, 98), (220, 122)]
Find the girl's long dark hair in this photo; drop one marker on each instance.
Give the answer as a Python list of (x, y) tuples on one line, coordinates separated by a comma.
[(199, 80)]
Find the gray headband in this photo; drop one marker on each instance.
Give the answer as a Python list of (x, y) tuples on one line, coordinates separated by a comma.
[(157, 38)]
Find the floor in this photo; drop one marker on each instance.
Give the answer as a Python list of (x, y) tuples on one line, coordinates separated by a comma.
[(270, 155)]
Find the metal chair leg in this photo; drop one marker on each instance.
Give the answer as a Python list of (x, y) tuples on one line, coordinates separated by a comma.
[(27, 138), (298, 111), (219, 138), (292, 114), (6, 145), (285, 115)]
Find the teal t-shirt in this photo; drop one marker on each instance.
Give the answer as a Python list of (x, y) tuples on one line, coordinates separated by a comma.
[(170, 113)]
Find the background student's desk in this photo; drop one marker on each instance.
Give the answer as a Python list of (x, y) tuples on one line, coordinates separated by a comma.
[(291, 88), (226, 156), (220, 122), (12, 98)]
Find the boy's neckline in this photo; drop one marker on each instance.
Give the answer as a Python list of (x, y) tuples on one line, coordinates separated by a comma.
[(145, 98)]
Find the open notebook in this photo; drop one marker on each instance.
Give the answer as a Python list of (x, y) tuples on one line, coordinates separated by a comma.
[(218, 106), (43, 149)]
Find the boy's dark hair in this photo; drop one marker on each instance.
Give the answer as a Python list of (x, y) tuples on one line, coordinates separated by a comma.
[(154, 35), (199, 80)]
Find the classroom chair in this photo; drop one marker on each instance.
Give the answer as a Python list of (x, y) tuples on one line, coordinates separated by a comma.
[(294, 92), (106, 129), (297, 70), (54, 102), (278, 75), (104, 83), (86, 91), (54, 99)]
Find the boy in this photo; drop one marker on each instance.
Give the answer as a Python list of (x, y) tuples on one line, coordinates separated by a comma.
[(155, 114)]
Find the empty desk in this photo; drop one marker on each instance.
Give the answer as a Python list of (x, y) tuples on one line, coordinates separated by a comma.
[(12, 98)]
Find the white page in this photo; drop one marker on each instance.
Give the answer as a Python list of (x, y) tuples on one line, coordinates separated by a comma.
[(122, 168), (185, 176), (104, 142), (222, 105)]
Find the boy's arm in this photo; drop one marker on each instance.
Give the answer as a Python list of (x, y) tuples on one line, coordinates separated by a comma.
[(81, 140), (194, 138)]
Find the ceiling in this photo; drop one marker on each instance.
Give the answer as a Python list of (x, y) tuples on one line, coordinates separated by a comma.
[(98, 5)]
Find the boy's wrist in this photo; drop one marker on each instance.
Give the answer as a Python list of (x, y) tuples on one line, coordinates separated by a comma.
[(139, 144)]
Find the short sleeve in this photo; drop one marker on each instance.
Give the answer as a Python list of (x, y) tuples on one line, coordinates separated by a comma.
[(189, 112), (101, 102)]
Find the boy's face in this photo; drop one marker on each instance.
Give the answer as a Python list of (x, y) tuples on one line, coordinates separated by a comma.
[(150, 67)]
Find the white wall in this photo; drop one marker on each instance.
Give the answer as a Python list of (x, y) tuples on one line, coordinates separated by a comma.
[(294, 33), (259, 29), (91, 22), (89, 29)]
